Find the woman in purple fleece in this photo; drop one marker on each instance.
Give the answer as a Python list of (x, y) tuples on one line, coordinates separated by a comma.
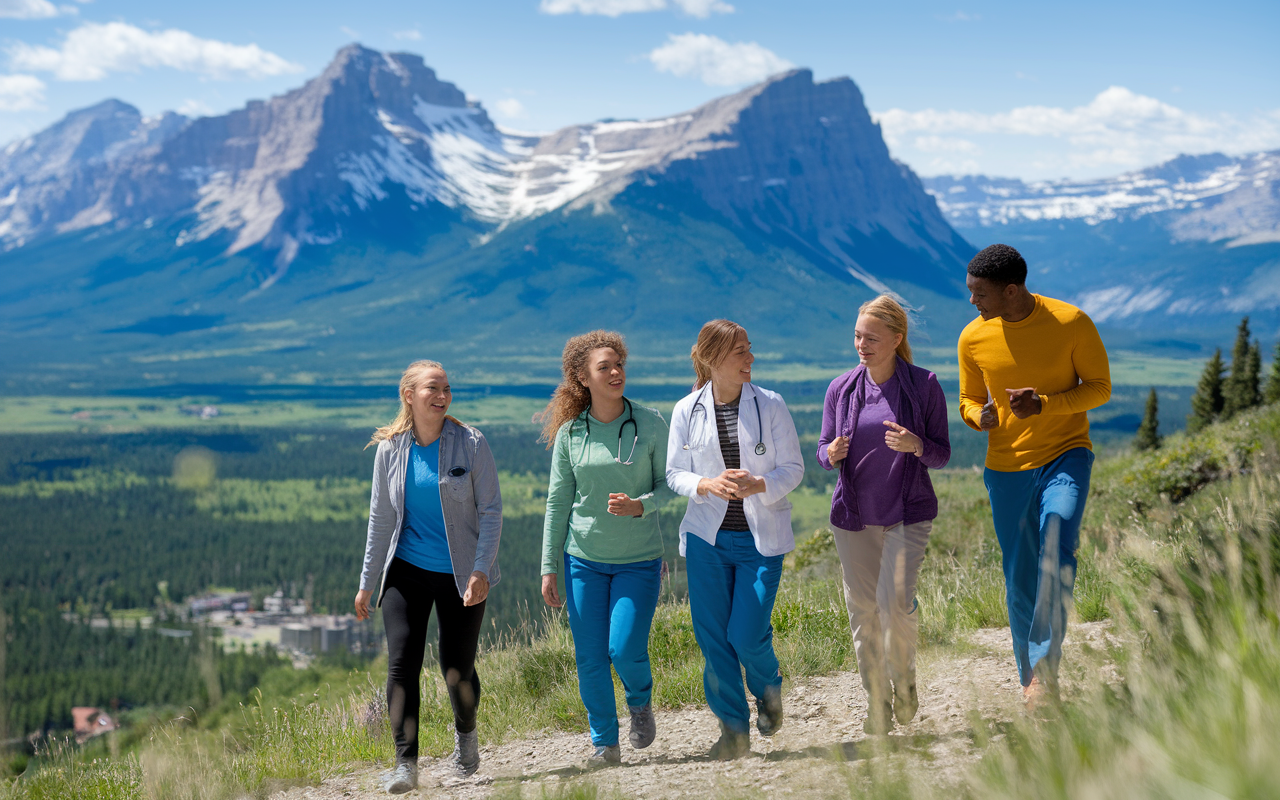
[(884, 426)]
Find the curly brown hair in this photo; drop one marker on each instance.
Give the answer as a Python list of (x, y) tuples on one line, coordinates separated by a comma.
[(571, 397)]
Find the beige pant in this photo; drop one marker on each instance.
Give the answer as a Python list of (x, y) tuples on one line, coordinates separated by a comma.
[(880, 568)]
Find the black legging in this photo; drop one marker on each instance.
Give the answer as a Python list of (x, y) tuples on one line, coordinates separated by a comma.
[(406, 607)]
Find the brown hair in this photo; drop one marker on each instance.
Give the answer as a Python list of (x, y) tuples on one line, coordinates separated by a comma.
[(408, 385), (715, 340), (888, 310), (571, 398)]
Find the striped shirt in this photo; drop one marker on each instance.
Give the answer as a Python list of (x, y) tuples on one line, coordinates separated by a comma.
[(735, 519)]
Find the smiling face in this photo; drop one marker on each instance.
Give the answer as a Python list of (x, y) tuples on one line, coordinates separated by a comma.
[(991, 299), (876, 344), (430, 397), (605, 375), (735, 369)]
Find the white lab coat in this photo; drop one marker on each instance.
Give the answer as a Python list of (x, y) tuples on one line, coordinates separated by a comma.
[(693, 453)]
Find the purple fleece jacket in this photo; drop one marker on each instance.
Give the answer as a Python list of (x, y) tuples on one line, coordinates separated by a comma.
[(923, 411)]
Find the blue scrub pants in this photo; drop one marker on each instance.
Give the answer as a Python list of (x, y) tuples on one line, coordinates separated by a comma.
[(1037, 516), (731, 592), (610, 612)]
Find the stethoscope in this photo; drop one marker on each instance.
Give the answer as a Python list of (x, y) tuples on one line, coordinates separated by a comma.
[(760, 448), (635, 431)]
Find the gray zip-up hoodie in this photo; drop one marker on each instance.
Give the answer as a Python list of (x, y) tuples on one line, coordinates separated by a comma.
[(470, 499)]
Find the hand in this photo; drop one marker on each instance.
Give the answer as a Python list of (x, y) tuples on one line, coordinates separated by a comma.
[(477, 589), (748, 484), (362, 604), (990, 417), (838, 450), (622, 506), (722, 486), (900, 439), (549, 592), (1024, 402)]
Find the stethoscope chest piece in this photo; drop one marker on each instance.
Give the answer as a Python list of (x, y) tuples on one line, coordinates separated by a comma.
[(761, 449)]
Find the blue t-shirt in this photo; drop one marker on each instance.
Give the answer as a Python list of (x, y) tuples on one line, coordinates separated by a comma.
[(423, 542)]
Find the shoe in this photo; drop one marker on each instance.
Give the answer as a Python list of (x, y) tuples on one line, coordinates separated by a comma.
[(643, 726), (604, 757), (905, 703), (769, 711), (1036, 696), (879, 719), (730, 745), (466, 753), (404, 778)]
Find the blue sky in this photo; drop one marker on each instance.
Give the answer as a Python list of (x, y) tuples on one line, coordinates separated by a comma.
[(1022, 89)]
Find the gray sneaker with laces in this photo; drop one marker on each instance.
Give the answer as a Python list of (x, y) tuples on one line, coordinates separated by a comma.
[(643, 726), (604, 757), (466, 753), (404, 778)]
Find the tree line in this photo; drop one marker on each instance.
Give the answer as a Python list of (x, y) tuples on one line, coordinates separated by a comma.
[(1223, 390)]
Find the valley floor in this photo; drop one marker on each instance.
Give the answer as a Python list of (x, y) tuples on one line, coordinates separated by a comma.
[(969, 695)]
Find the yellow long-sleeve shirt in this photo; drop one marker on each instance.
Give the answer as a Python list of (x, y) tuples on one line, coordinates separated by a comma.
[(1057, 351)]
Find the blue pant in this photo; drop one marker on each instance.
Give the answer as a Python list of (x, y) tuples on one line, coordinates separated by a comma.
[(610, 612), (1037, 516), (731, 592)]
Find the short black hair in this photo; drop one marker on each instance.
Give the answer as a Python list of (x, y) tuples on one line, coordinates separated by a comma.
[(1000, 264)]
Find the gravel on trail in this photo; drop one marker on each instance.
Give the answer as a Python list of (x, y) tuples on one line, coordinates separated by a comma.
[(975, 683)]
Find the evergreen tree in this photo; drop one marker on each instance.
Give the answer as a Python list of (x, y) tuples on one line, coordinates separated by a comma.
[(1207, 402), (1251, 382), (1236, 396), (1273, 382), (1148, 437)]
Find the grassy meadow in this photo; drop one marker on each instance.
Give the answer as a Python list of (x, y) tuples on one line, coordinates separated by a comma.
[(1179, 551)]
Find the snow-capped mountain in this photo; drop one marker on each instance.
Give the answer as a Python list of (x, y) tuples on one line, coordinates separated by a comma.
[(1197, 198), (787, 156)]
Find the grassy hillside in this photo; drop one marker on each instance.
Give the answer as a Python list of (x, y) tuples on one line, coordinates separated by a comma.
[(1179, 551)]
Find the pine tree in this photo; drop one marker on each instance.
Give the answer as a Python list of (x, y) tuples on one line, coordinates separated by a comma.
[(1207, 402), (1251, 382), (1148, 437), (1273, 382), (1236, 394)]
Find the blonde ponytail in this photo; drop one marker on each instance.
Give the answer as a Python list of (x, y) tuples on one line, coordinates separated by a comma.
[(408, 385), (887, 309)]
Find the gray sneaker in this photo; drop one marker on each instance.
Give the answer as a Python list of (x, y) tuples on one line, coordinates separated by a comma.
[(404, 778), (466, 753), (769, 711), (604, 757), (643, 727), (905, 702)]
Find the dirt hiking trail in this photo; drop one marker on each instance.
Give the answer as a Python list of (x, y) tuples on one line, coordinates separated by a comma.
[(823, 728)]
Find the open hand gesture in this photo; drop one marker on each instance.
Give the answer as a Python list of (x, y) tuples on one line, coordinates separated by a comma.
[(900, 439)]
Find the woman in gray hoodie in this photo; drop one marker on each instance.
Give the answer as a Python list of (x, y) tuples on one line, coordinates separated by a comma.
[(435, 520)]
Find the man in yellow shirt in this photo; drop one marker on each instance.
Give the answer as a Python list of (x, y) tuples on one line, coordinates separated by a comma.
[(1030, 367)]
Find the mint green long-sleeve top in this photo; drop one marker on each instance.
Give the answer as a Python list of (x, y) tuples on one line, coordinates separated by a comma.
[(583, 473)]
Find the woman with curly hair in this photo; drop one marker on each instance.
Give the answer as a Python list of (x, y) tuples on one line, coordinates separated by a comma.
[(435, 520), (607, 483)]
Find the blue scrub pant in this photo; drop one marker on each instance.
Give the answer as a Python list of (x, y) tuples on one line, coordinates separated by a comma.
[(731, 592), (610, 612), (1037, 516)]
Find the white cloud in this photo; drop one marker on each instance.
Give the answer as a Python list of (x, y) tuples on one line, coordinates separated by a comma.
[(409, 35), (195, 108), (510, 108), (1117, 129), (93, 50), (616, 8), (352, 32), (27, 9), (943, 144), (20, 92), (716, 62)]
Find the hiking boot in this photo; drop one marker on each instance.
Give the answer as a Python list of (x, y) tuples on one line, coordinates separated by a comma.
[(769, 711), (643, 726), (879, 719), (604, 757), (905, 703), (404, 778), (730, 745), (466, 753)]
